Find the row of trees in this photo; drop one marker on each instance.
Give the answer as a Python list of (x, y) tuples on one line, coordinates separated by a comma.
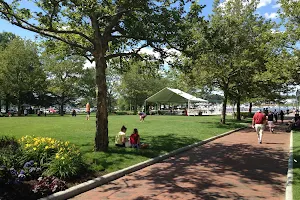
[(33, 74), (239, 52), (29, 75), (236, 50)]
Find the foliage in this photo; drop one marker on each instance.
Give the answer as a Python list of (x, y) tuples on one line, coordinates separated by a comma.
[(245, 115), (20, 70), (49, 185), (63, 74), (291, 37), (124, 113), (60, 159), (232, 53), (10, 154), (141, 81)]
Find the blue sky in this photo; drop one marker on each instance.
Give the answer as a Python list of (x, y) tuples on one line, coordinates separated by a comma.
[(267, 8)]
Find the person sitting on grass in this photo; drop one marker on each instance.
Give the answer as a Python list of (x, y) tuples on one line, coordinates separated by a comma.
[(142, 116), (135, 139), (121, 137), (294, 125)]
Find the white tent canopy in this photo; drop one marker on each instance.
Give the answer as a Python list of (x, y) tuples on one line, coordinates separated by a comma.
[(173, 96)]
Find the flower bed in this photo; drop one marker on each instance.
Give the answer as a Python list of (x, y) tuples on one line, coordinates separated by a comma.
[(42, 163)]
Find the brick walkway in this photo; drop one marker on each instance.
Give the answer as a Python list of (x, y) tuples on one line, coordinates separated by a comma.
[(232, 167)]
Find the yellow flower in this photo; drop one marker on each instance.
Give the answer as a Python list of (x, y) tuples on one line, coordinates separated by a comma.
[(34, 148), (62, 158), (57, 156), (66, 143), (46, 147)]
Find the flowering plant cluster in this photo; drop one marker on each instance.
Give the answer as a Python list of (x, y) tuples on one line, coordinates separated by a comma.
[(58, 158)]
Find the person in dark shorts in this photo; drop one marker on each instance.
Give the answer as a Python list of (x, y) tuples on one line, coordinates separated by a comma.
[(270, 122), (281, 115)]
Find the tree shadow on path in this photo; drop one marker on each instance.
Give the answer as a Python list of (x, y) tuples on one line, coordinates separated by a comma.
[(216, 170)]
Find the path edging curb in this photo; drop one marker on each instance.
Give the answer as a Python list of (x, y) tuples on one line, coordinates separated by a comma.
[(91, 184), (289, 182)]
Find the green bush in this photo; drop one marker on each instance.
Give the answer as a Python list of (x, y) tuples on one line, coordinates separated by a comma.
[(125, 113), (11, 155), (60, 159), (245, 115)]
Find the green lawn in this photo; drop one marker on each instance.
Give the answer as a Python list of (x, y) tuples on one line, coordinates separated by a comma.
[(296, 165), (164, 133)]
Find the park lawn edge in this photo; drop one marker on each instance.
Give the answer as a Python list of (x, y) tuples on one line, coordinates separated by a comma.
[(296, 165)]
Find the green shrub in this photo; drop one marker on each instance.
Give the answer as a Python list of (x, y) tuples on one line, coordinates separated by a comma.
[(60, 159), (11, 155), (124, 113), (245, 115)]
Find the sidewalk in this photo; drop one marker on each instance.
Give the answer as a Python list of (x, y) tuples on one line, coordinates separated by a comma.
[(232, 167)]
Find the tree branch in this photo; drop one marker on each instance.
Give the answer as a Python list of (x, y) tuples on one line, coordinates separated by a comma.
[(136, 53), (16, 20), (114, 22)]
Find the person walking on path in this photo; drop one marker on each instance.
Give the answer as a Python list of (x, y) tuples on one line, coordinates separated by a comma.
[(88, 111), (281, 116), (270, 122), (275, 115), (258, 122)]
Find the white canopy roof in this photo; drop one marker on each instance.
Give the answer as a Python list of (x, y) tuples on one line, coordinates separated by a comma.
[(174, 96)]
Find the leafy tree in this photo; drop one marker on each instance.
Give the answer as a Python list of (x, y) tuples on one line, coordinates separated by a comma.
[(21, 70), (291, 21), (113, 82), (63, 76), (231, 53), (87, 84), (140, 82), (5, 38), (101, 30)]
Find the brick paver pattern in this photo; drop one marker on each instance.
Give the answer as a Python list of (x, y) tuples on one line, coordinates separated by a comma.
[(232, 167)]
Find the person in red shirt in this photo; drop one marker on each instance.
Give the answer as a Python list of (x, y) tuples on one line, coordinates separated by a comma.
[(259, 120), (135, 139)]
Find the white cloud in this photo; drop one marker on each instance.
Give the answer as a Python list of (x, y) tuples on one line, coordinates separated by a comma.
[(261, 3), (271, 15), (222, 5), (264, 3), (276, 5)]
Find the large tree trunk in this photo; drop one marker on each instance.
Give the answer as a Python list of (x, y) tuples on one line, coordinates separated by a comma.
[(101, 138), (62, 107), (238, 109), (250, 108), (224, 106), (6, 104), (19, 104)]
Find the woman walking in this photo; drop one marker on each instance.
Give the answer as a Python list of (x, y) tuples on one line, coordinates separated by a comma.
[(281, 116)]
